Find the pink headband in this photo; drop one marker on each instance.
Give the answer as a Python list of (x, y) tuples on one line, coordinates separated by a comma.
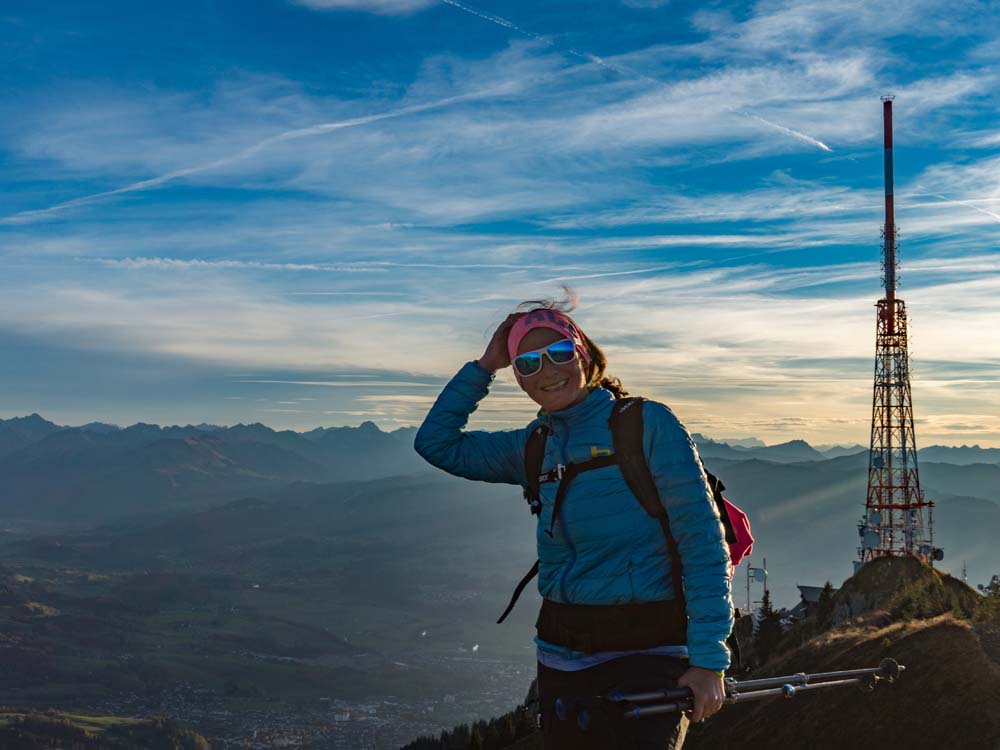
[(553, 319)]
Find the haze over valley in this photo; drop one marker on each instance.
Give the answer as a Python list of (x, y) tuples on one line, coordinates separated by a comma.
[(242, 578)]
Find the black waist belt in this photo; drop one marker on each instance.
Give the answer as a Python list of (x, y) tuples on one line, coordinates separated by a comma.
[(591, 628)]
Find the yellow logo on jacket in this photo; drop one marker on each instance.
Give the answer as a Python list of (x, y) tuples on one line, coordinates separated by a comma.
[(595, 452)]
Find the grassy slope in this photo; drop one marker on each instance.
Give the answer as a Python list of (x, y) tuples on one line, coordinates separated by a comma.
[(948, 696), (21, 730)]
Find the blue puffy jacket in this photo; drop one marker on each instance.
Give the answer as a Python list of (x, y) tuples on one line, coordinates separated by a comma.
[(605, 548)]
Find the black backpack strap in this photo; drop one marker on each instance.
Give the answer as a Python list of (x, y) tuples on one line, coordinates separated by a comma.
[(626, 432), (517, 591), (733, 642), (566, 475), (534, 455), (717, 487)]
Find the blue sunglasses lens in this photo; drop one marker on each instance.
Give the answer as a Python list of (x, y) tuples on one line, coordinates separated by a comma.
[(562, 352), (528, 363)]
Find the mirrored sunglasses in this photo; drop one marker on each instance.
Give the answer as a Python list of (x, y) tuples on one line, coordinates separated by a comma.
[(559, 353)]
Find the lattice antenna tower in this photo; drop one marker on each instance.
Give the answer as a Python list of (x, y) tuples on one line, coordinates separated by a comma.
[(898, 521)]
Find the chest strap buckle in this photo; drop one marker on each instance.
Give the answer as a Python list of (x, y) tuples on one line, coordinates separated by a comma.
[(553, 475)]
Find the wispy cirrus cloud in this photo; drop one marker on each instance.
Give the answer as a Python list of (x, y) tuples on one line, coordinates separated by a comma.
[(197, 263), (246, 153), (790, 27), (580, 135)]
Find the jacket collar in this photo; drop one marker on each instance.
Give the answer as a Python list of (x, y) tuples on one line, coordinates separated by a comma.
[(593, 406)]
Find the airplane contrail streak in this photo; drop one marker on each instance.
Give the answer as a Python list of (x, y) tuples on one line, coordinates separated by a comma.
[(788, 131), (621, 70), (495, 19), (27, 217), (970, 204), (588, 56)]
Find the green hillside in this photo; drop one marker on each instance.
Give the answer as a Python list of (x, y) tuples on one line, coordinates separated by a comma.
[(35, 730)]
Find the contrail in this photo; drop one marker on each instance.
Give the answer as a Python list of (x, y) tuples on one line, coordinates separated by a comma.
[(788, 131), (588, 56), (27, 217), (654, 269), (621, 70), (970, 204), (496, 19)]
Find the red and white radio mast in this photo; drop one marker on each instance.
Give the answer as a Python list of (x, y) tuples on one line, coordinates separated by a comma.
[(898, 521)]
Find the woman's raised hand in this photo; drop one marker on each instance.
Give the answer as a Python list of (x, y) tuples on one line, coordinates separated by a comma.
[(496, 356)]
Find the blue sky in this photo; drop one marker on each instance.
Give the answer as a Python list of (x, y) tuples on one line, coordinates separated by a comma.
[(312, 213)]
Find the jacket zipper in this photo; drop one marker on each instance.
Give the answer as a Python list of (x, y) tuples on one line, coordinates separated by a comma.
[(565, 531)]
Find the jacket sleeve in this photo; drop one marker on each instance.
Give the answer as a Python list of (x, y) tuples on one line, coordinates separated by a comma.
[(484, 456), (694, 522)]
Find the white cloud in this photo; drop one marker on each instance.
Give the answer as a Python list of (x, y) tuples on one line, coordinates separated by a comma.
[(703, 339)]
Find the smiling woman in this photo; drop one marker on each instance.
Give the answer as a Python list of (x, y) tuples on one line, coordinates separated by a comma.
[(614, 614)]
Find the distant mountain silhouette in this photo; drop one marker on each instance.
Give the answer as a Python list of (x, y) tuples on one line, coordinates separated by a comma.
[(100, 427), (963, 455), (21, 431), (790, 452), (99, 472), (836, 451), (709, 449), (799, 450), (749, 442)]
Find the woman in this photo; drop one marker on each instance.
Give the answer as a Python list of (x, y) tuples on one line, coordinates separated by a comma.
[(603, 554)]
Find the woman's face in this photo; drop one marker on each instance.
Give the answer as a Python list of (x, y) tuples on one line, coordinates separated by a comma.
[(554, 387)]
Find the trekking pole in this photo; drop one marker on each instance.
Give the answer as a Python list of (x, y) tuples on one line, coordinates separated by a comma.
[(787, 686)]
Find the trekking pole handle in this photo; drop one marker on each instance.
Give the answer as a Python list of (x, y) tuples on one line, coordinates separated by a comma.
[(785, 691), (888, 669), (753, 690)]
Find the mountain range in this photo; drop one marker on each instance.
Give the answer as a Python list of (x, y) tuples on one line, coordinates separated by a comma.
[(98, 471), (803, 505)]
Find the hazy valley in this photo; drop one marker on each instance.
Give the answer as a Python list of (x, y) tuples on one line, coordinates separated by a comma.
[(327, 585)]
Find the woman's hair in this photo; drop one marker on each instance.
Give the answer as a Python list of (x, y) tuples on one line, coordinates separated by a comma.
[(598, 362)]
